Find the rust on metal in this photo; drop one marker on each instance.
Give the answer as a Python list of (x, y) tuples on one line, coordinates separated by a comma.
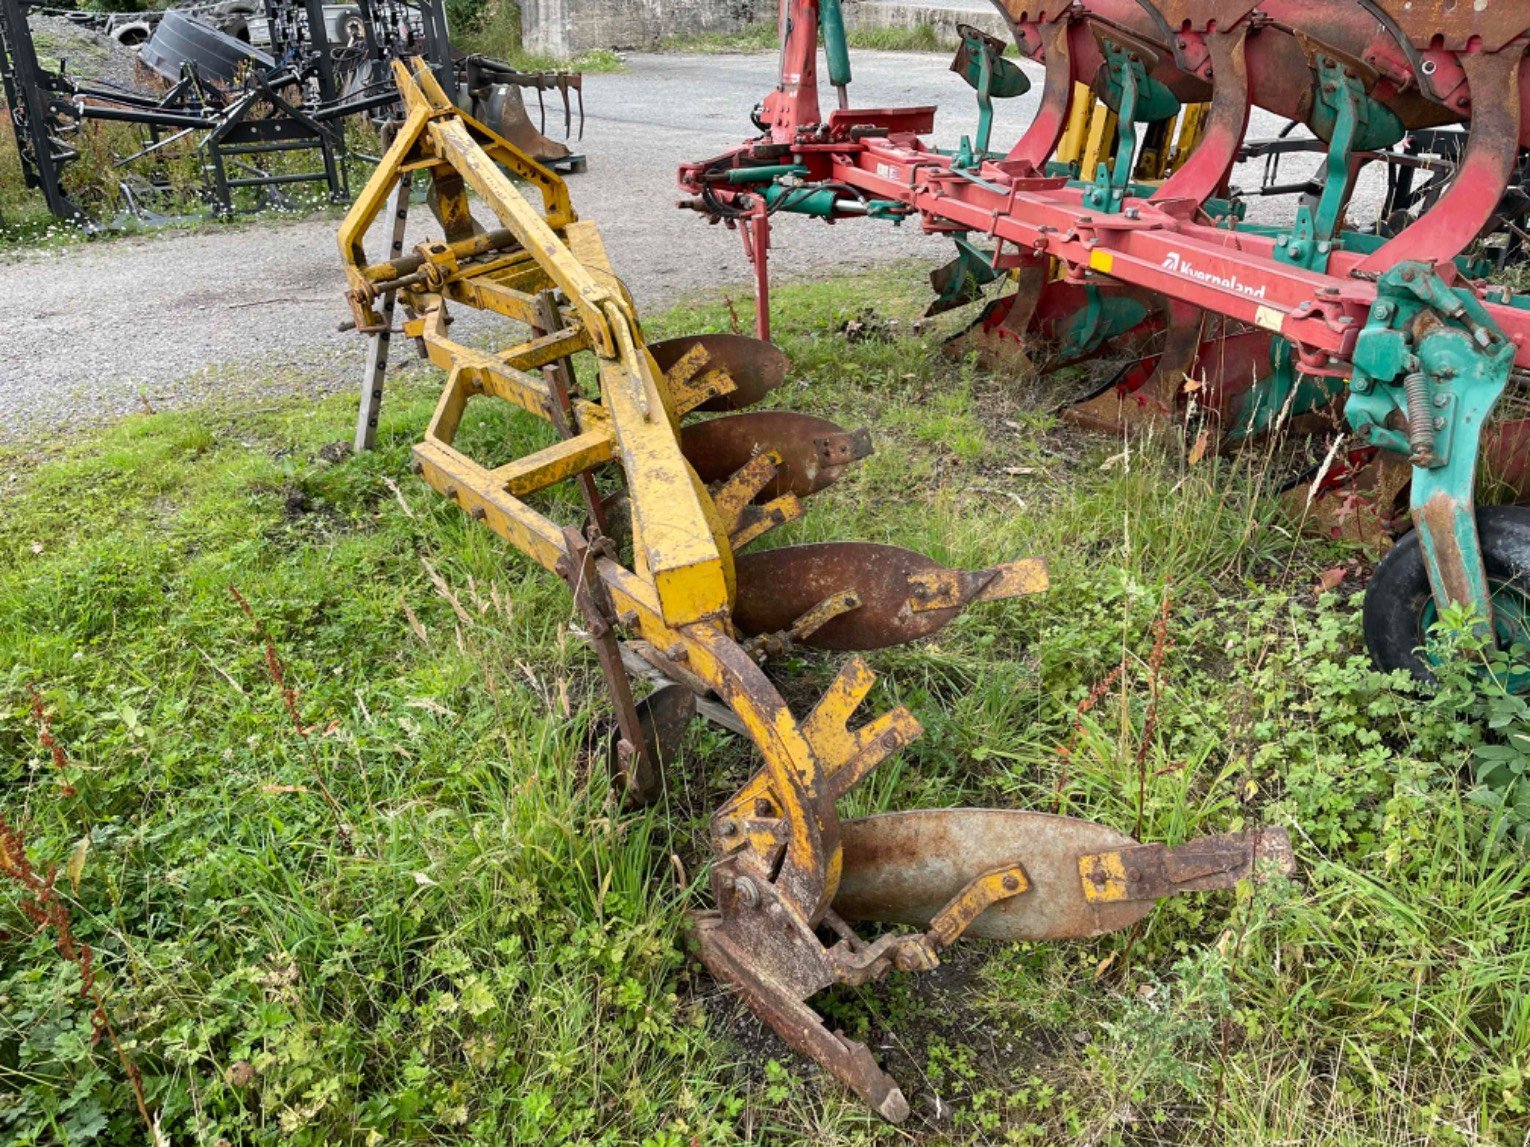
[(1155, 871), (904, 867), (662, 718), (693, 613), (812, 452), (755, 367), (903, 595)]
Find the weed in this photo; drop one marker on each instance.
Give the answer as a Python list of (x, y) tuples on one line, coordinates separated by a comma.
[(39, 901)]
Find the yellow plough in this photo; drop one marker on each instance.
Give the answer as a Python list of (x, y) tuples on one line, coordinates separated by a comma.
[(688, 479)]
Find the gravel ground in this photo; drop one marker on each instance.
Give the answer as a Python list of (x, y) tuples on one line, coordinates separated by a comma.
[(100, 330), (88, 56)]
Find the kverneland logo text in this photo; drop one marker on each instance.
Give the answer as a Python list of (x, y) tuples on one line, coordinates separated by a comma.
[(1180, 266)]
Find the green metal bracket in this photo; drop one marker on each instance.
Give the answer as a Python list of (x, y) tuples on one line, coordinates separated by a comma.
[(1429, 368), (1353, 121), (1136, 98), (1233, 209), (1153, 101), (892, 209), (1103, 317), (961, 280), (980, 62), (1350, 120), (1283, 390)]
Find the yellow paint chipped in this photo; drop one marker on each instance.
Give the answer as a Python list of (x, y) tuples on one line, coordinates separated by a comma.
[(1103, 876)]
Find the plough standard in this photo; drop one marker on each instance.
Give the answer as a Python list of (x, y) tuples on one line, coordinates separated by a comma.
[(1389, 324), (667, 585)]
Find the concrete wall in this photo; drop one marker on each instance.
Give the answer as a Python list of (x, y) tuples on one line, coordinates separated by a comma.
[(942, 15), (568, 27)]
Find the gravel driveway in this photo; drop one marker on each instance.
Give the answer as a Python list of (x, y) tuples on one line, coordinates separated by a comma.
[(97, 330)]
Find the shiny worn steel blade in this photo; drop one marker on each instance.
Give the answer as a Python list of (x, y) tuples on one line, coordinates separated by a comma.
[(902, 868), (756, 367), (814, 451)]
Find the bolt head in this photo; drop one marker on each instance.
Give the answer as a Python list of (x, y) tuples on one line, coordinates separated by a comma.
[(745, 892)]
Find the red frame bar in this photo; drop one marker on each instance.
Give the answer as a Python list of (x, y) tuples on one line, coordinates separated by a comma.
[(1156, 245)]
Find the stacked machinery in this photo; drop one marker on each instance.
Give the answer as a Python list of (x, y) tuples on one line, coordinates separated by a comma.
[(677, 479), (245, 108), (1389, 326)]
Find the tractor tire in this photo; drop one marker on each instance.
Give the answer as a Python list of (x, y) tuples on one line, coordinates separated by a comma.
[(350, 28), (217, 55), (1399, 606)]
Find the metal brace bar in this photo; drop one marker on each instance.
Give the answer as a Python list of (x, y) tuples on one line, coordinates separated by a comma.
[(377, 350)]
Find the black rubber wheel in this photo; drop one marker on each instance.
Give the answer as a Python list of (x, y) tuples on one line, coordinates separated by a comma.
[(1399, 607), (351, 28)]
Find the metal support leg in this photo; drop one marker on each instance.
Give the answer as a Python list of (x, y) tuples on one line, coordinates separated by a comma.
[(559, 377), (639, 776), (377, 350), (1430, 367), (755, 232)]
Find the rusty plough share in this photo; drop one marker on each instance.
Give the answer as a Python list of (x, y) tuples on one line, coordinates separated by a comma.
[(686, 606), (1390, 329)]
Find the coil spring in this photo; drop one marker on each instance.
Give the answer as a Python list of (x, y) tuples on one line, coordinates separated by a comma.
[(1420, 417)]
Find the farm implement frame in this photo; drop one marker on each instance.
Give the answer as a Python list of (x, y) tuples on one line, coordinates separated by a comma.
[(677, 480), (1391, 326)]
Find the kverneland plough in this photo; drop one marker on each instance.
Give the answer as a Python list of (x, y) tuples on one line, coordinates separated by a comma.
[(1254, 326), (682, 598)]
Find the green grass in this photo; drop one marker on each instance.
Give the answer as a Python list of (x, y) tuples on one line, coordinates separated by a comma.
[(497, 33), (474, 943)]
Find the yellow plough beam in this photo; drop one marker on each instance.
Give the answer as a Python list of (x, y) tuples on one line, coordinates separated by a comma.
[(672, 599)]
